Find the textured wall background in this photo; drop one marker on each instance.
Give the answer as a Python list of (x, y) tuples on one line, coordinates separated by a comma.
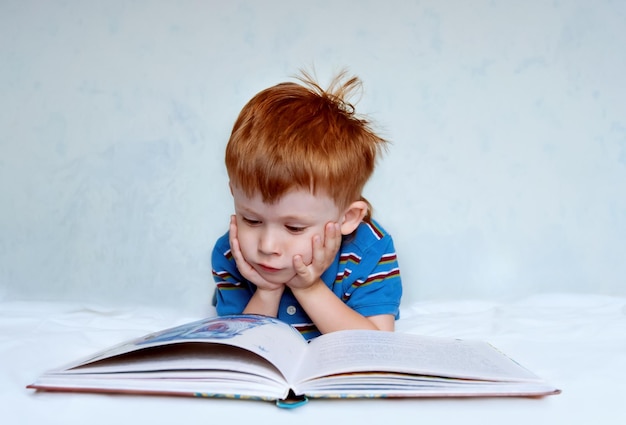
[(507, 174)]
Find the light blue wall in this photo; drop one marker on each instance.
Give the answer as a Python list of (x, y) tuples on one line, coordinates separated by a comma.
[(507, 174)]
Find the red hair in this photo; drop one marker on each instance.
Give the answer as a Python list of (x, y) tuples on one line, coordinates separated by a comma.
[(302, 136)]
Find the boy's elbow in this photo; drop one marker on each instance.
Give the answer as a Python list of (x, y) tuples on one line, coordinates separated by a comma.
[(383, 322)]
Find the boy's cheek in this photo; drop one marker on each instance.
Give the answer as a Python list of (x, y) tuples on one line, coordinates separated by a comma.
[(305, 252), (305, 259), (244, 242)]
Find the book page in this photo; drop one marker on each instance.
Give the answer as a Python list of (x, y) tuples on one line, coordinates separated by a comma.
[(273, 340), (187, 367), (362, 351), (180, 358)]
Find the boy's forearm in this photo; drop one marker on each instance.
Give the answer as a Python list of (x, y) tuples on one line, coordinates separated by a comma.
[(264, 302), (327, 311)]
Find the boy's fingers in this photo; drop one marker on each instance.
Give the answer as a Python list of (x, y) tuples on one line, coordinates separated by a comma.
[(332, 238), (299, 265), (318, 250), (232, 230)]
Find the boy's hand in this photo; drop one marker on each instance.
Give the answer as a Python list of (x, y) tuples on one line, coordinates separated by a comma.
[(323, 256), (243, 266)]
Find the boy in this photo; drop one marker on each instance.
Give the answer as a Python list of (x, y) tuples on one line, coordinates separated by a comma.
[(302, 245)]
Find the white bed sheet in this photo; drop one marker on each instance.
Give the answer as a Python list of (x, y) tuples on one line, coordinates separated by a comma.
[(577, 342)]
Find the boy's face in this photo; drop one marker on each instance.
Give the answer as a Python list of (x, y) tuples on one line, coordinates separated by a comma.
[(271, 234)]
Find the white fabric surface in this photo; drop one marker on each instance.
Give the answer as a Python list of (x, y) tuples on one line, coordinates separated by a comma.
[(576, 342)]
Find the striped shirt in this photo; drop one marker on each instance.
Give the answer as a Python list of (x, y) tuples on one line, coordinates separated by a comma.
[(364, 275)]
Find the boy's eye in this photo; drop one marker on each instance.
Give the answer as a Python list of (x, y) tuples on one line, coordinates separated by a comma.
[(295, 229), (251, 221)]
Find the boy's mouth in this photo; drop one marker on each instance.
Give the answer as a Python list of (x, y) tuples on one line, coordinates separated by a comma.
[(268, 269)]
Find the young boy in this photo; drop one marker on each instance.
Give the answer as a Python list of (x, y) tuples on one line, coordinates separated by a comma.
[(302, 245)]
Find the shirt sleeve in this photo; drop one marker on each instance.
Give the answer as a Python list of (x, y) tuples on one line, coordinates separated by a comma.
[(376, 287), (232, 292)]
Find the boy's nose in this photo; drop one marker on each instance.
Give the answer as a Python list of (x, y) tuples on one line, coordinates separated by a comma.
[(268, 243)]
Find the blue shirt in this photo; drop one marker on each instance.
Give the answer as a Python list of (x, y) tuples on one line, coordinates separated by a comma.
[(364, 275)]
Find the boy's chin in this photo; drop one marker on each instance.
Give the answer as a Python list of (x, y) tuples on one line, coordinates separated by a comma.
[(277, 278)]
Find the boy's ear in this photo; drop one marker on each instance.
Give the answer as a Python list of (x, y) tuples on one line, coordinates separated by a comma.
[(353, 216)]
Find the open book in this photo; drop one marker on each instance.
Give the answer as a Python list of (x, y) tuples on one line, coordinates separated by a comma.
[(257, 357)]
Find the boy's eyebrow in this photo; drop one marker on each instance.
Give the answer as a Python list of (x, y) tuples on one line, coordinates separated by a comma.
[(244, 209), (301, 218), (289, 217)]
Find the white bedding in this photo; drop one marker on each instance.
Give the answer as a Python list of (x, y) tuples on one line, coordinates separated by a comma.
[(576, 342)]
